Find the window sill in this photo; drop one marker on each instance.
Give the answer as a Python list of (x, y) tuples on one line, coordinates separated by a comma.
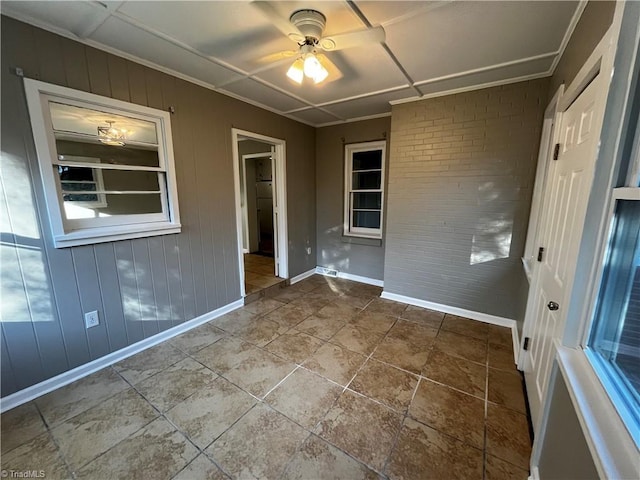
[(368, 241), (90, 236), (613, 450)]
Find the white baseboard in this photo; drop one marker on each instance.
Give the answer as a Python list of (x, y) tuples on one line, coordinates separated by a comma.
[(354, 278), (358, 278), (46, 386), (302, 276), (461, 312)]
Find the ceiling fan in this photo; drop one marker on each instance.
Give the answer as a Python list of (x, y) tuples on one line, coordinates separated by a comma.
[(305, 27)]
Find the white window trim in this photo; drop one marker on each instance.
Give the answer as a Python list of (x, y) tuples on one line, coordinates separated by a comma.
[(71, 233), (349, 150)]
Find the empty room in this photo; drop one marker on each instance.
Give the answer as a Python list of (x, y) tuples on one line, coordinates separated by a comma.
[(320, 240)]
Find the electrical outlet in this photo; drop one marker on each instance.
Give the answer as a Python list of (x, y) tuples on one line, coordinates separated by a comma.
[(308, 250), (91, 319)]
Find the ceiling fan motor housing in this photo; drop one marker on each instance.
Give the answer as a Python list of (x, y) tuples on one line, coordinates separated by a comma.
[(311, 23)]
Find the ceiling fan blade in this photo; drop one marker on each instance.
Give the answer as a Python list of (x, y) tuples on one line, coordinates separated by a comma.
[(334, 72), (353, 39), (281, 23), (274, 57)]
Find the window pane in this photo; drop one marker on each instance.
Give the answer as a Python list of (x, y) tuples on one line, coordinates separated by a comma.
[(367, 180), (76, 178), (83, 187), (108, 205), (75, 174), (364, 219), (616, 332), (367, 200), (370, 160), (85, 122), (74, 150)]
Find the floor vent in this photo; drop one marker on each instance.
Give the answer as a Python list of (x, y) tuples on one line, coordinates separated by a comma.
[(326, 271)]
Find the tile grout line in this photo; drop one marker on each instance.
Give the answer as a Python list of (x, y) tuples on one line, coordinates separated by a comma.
[(163, 416), (281, 381), (346, 387), (48, 430), (262, 400), (404, 419)]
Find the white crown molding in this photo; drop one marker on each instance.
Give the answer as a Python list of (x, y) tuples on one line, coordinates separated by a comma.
[(290, 114), (127, 56), (244, 75), (481, 86), (167, 38), (356, 119), (34, 391), (355, 97), (488, 68), (569, 33)]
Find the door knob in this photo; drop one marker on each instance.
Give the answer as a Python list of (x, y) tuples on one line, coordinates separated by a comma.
[(553, 306)]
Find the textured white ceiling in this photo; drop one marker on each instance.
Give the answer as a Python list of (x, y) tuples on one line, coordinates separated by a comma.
[(431, 47)]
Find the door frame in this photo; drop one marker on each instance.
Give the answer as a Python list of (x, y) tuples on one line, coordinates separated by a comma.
[(281, 235), (599, 63), (245, 211)]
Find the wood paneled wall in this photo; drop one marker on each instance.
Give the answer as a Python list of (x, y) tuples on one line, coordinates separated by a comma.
[(139, 287)]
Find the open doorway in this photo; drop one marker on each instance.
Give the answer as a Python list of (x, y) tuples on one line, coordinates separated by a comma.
[(256, 189), (260, 210)]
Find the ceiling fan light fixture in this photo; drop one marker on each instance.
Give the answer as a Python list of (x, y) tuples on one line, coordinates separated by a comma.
[(312, 66), (308, 66), (296, 71), (320, 75)]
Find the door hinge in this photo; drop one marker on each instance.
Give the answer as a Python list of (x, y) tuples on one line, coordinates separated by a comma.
[(525, 345), (556, 151), (540, 252)]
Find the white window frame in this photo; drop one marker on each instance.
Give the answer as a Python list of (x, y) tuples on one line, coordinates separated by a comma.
[(629, 192), (348, 228), (67, 232)]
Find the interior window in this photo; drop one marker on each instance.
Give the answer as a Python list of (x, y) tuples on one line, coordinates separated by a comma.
[(613, 346), (106, 165), (364, 189)]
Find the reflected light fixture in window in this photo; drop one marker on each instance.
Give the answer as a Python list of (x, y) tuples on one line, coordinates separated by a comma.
[(110, 135)]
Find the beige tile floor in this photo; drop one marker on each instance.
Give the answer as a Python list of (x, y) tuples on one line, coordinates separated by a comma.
[(259, 273), (326, 380)]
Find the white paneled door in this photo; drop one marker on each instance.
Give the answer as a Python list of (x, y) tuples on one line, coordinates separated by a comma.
[(567, 194)]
